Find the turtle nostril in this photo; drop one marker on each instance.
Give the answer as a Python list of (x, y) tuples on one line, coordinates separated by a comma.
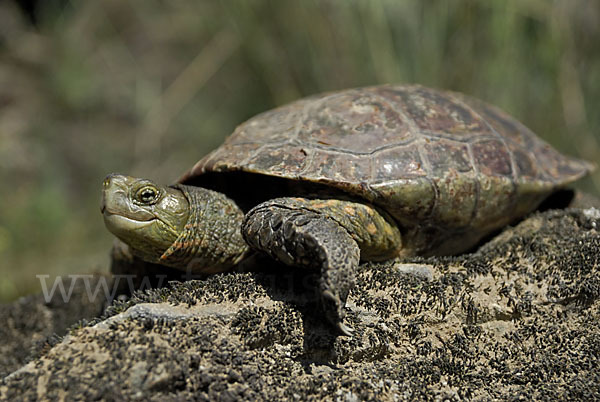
[(112, 178)]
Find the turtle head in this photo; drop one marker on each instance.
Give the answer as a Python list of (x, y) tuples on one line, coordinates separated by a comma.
[(184, 227), (144, 215)]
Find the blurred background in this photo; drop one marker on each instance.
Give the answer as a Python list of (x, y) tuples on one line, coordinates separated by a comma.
[(147, 87)]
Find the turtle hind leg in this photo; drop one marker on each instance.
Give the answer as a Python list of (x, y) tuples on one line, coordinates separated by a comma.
[(305, 238)]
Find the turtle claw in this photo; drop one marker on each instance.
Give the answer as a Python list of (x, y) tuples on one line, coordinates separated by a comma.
[(344, 329), (334, 311)]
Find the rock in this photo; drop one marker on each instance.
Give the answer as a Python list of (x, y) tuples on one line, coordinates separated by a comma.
[(519, 318), (423, 271), (33, 323)]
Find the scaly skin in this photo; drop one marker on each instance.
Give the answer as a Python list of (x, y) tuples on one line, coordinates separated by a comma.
[(375, 233)]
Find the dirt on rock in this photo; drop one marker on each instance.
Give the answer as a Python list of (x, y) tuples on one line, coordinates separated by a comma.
[(519, 318)]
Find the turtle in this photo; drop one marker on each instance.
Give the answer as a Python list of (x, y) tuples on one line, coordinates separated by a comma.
[(365, 174)]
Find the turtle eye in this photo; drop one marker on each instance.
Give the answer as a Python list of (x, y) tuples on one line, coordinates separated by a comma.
[(147, 195)]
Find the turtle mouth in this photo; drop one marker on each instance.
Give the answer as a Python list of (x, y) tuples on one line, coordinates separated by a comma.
[(116, 222)]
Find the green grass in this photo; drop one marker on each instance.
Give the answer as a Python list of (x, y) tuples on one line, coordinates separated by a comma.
[(146, 88)]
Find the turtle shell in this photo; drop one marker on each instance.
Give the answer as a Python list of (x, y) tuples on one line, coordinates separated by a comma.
[(435, 160)]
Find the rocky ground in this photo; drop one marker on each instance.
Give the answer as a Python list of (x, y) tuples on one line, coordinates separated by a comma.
[(518, 319)]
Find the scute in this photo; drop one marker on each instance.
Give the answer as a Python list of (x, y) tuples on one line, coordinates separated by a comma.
[(352, 121), (445, 155), (278, 160), (401, 161), (432, 158), (328, 165), (437, 112), (492, 158)]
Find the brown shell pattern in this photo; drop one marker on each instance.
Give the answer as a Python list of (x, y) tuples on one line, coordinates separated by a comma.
[(423, 155)]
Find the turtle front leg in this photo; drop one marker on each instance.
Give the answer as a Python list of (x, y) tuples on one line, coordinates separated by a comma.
[(328, 235)]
